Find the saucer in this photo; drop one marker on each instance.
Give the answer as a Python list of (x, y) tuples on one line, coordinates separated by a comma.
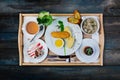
[(88, 58)]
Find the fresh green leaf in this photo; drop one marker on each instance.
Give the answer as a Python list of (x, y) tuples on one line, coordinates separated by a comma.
[(47, 20), (61, 25), (64, 48), (89, 51), (42, 14), (44, 18), (39, 20), (60, 22)]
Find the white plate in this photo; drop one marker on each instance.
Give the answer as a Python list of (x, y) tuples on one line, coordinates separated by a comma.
[(27, 58), (85, 58), (26, 34), (76, 32)]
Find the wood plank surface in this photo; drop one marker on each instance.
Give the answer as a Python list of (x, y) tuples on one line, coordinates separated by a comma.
[(62, 73), (9, 22), (110, 57)]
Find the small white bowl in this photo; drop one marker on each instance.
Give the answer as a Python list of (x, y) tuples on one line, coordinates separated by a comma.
[(84, 18), (83, 48)]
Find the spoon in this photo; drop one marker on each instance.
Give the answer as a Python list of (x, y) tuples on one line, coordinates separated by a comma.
[(41, 28)]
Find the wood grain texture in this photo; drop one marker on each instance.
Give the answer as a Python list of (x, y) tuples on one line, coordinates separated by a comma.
[(9, 21), (108, 7), (111, 23), (63, 73), (110, 57)]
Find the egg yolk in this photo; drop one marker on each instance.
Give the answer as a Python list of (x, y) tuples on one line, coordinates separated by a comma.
[(59, 43)]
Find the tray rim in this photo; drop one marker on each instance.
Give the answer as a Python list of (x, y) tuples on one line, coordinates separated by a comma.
[(20, 42)]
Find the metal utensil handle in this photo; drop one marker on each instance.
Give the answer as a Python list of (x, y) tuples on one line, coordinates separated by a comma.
[(37, 33), (33, 38)]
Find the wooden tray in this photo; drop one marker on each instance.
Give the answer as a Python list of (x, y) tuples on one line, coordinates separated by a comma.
[(46, 62)]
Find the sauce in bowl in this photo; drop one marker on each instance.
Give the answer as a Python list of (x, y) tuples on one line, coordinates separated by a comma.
[(90, 26), (88, 50), (32, 27)]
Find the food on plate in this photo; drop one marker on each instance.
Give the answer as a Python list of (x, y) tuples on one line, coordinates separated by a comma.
[(32, 27), (61, 25), (68, 30), (70, 42), (58, 34), (42, 14), (35, 50), (76, 14), (44, 18), (89, 25), (73, 20), (70, 39), (76, 19), (59, 43), (47, 20), (88, 50)]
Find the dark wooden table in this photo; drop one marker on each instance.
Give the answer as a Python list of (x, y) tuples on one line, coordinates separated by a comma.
[(9, 58)]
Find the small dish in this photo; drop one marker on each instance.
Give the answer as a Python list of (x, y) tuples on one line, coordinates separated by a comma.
[(28, 51), (88, 58), (28, 35), (90, 25), (32, 28)]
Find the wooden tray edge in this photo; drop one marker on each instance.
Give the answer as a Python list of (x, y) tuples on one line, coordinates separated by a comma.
[(59, 14), (72, 64), (19, 39), (103, 39), (61, 64)]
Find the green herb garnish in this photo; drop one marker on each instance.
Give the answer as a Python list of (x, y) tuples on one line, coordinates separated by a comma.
[(47, 20), (39, 21), (44, 18), (88, 50), (64, 48), (61, 25), (42, 14)]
